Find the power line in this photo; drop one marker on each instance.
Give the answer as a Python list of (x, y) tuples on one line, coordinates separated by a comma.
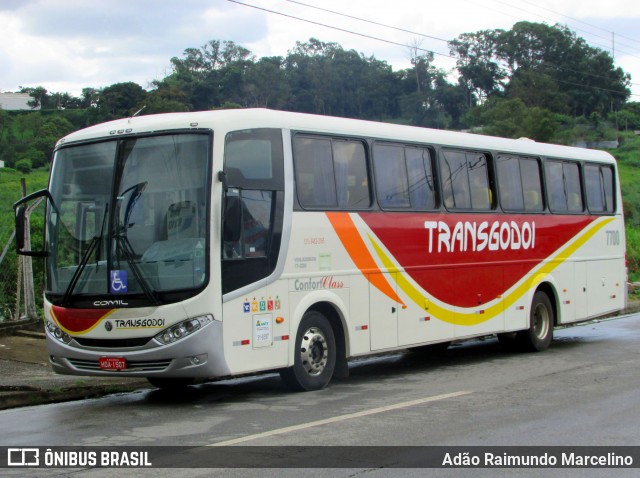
[(605, 47), (579, 21), (367, 21), (371, 37), (402, 44), (421, 34)]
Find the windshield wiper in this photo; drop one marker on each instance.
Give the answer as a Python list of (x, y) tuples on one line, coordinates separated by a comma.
[(122, 242), (94, 245)]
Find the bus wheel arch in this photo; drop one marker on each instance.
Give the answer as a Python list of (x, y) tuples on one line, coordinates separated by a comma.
[(543, 317), (336, 319), (319, 351)]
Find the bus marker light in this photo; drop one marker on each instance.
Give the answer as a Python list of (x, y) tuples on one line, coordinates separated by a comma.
[(279, 320), (362, 327), (425, 319)]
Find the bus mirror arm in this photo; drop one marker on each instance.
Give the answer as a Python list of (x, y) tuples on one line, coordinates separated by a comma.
[(222, 177), (20, 219), (22, 212)]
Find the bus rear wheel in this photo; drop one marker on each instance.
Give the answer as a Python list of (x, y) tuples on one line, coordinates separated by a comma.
[(315, 354), (541, 320)]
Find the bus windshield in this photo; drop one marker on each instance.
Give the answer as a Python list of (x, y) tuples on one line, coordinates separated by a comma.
[(129, 217)]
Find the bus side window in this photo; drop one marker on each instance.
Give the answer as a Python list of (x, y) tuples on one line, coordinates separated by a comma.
[(421, 180), (465, 180), (391, 176), (350, 165), (331, 173), (315, 178), (598, 181), (519, 183), (564, 186)]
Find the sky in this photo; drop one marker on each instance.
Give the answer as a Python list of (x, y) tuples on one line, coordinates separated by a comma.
[(67, 45)]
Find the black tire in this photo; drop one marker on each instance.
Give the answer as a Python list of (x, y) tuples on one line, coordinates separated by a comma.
[(541, 321), (170, 383), (315, 354)]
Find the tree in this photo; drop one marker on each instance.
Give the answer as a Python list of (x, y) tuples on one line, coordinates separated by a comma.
[(266, 83), (628, 118), (90, 97), (477, 64), (39, 95), (52, 129), (513, 119), (585, 75), (537, 88), (547, 66), (121, 99)]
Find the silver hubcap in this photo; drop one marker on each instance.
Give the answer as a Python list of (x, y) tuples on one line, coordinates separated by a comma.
[(313, 351), (541, 321)]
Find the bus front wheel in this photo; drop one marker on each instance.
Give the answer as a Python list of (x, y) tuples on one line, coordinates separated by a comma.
[(541, 320), (315, 354)]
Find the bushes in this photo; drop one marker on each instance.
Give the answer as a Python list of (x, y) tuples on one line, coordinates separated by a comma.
[(24, 166)]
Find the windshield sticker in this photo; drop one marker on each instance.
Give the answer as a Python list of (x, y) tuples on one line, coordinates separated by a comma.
[(119, 283)]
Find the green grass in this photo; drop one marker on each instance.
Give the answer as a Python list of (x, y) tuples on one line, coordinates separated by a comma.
[(10, 193), (633, 253)]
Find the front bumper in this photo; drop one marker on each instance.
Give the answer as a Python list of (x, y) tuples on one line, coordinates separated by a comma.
[(200, 355)]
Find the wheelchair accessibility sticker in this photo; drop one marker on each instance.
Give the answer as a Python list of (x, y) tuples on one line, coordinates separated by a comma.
[(119, 283)]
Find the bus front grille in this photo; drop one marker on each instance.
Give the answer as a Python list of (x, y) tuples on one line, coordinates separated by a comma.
[(113, 343), (132, 366)]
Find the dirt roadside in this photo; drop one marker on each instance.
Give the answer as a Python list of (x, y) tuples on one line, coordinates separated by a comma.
[(26, 378)]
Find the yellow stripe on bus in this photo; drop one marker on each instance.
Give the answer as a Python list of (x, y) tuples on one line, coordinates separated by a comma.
[(472, 317)]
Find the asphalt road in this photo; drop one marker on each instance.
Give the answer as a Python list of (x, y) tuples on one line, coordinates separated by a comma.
[(583, 391)]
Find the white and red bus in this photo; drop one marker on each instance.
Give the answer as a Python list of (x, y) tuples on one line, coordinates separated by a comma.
[(186, 247)]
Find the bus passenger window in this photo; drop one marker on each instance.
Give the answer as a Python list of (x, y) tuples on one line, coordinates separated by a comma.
[(391, 176), (519, 183), (331, 173), (531, 184), (465, 180), (315, 179), (599, 188), (563, 186), (421, 181), (352, 184)]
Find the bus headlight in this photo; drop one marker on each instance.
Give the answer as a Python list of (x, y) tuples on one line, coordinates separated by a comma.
[(57, 333), (183, 329)]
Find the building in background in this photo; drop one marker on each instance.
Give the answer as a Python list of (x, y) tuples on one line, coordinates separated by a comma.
[(16, 102)]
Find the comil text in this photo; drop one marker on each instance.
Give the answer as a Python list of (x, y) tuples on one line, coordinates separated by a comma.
[(467, 236)]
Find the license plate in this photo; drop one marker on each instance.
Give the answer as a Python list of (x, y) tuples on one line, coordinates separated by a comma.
[(113, 363)]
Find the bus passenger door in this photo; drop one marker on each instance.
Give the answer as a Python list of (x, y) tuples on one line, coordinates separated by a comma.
[(384, 312)]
